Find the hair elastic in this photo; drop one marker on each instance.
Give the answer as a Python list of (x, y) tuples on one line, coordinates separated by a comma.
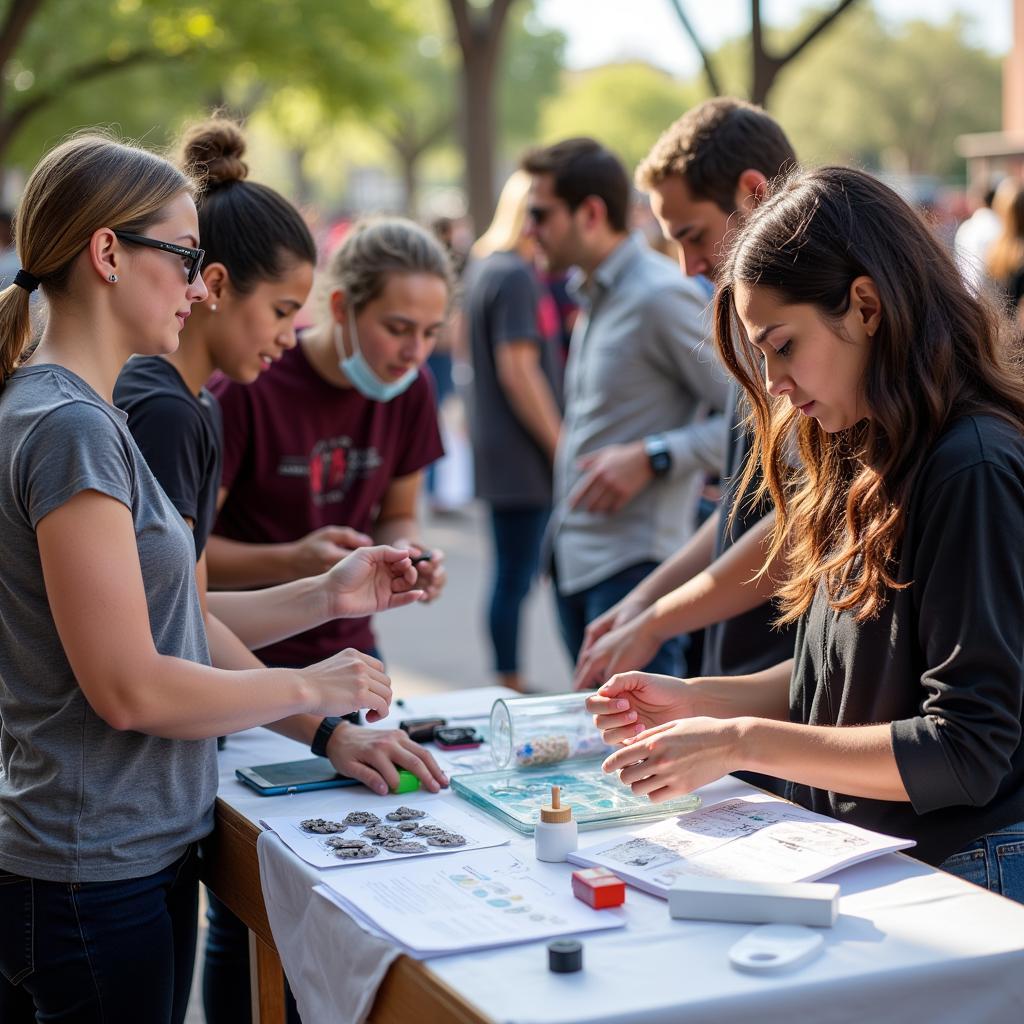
[(23, 279)]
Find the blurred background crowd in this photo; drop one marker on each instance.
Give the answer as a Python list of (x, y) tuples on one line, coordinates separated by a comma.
[(425, 109)]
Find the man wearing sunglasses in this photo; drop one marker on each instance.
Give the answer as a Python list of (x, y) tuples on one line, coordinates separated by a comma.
[(641, 383)]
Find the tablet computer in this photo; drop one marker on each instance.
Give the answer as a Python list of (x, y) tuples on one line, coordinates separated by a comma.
[(293, 776)]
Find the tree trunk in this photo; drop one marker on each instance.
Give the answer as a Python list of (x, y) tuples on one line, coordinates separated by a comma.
[(764, 66), (479, 137), (409, 163), (302, 187), (480, 37)]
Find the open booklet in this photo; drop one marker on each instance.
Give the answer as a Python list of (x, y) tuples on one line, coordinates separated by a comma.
[(753, 838)]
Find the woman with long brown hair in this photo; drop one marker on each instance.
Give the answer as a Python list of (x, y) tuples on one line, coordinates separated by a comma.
[(898, 529)]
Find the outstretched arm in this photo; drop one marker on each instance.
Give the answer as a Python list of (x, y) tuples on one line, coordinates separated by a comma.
[(93, 579), (367, 581)]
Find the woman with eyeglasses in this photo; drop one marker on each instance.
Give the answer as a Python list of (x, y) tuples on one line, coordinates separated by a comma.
[(258, 271), (849, 328), (108, 701)]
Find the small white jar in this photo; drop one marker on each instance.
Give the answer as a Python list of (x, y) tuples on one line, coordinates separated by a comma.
[(555, 836)]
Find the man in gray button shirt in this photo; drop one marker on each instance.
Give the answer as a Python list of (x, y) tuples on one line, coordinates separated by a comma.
[(641, 384)]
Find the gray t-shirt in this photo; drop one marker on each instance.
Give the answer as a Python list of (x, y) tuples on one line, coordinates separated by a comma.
[(511, 470), (80, 801)]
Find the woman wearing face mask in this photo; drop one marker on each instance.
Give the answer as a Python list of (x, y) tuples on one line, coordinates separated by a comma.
[(847, 324), (337, 431), (245, 326), (108, 702)]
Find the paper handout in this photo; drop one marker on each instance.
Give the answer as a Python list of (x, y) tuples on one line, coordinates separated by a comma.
[(458, 904), (753, 838)]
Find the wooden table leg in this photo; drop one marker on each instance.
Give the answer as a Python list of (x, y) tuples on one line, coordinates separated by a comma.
[(266, 980)]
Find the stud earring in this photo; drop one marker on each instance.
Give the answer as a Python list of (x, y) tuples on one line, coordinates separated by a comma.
[(112, 279), (213, 307)]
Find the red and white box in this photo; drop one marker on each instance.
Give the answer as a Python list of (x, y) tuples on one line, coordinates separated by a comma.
[(598, 887)]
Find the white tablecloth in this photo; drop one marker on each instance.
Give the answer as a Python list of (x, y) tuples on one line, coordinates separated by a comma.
[(911, 944)]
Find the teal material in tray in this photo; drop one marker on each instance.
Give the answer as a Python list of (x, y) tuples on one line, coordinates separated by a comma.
[(515, 796)]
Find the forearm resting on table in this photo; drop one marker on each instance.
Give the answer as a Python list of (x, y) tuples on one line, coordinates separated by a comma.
[(855, 760), (235, 564), (728, 587), (262, 617)]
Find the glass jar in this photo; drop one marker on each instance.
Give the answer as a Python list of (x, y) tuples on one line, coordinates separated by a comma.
[(527, 732)]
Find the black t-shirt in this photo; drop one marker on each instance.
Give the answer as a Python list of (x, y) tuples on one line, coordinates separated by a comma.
[(505, 303), (944, 660), (179, 433), (747, 643)]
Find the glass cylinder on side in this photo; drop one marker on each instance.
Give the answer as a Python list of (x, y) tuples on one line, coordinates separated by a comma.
[(528, 732)]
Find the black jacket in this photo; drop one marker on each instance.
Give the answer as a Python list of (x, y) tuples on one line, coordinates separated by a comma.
[(944, 660)]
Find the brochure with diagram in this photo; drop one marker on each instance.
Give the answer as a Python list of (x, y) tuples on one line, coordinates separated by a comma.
[(755, 838), (458, 904)]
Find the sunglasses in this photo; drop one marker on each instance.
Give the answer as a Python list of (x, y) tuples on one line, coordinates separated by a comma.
[(193, 257)]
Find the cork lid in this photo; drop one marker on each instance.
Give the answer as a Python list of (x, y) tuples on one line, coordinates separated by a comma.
[(556, 813)]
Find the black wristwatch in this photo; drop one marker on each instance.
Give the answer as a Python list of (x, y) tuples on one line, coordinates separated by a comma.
[(323, 734), (658, 454)]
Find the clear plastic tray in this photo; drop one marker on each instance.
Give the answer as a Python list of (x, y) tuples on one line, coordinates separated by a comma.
[(515, 796)]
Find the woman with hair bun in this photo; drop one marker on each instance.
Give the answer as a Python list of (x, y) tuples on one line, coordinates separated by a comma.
[(108, 701), (849, 328), (258, 271)]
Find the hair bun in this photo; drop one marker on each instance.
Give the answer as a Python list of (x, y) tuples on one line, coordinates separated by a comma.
[(212, 151)]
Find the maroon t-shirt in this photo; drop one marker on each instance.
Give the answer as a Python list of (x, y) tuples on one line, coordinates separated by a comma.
[(301, 453)]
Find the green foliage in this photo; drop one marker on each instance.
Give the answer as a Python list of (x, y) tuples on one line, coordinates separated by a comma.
[(532, 72), (625, 106), (889, 96), (181, 57), (420, 121)]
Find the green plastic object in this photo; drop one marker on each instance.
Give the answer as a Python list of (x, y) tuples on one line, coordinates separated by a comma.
[(407, 782)]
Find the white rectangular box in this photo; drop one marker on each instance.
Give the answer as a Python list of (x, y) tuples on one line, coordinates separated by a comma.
[(722, 899)]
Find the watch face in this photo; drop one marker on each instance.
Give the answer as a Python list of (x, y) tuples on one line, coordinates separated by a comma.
[(661, 462)]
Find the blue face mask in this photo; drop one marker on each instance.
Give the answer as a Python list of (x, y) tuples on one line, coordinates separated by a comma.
[(359, 372)]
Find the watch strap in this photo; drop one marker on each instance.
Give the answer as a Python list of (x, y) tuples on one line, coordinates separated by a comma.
[(323, 734), (658, 454)]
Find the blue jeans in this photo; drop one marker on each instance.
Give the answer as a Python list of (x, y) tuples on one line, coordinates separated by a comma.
[(226, 998), (440, 364), (577, 611), (517, 534), (99, 952), (995, 862)]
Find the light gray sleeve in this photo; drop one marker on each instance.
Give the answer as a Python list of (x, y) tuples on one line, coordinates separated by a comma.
[(700, 444), (680, 329), (76, 447)]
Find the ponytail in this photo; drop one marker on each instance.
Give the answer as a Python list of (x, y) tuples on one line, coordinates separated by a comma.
[(15, 328)]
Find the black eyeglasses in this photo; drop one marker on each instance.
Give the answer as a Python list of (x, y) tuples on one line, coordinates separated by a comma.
[(193, 257)]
